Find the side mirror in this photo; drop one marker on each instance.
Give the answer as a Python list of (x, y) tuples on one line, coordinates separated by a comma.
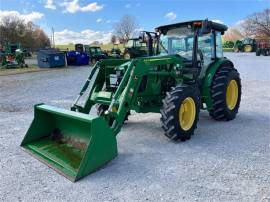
[(206, 27)]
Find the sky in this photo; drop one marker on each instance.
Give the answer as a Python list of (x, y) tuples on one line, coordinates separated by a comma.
[(85, 21)]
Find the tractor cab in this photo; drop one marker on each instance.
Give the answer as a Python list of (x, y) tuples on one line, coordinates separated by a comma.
[(198, 42), (95, 53), (135, 48)]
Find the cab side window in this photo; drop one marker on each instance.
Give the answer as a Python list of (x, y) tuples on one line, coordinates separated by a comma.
[(205, 47), (219, 49)]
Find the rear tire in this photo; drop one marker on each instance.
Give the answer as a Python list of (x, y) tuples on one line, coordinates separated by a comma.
[(225, 94), (180, 112)]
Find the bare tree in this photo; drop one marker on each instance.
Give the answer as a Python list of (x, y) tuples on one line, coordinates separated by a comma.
[(11, 28), (95, 43), (125, 27), (232, 34), (258, 25), (113, 39)]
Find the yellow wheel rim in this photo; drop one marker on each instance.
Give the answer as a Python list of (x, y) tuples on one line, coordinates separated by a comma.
[(232, 94), (187, 113), (248, 48), (127, 56)]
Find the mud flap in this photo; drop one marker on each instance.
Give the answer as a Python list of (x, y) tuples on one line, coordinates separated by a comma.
[(72, 143)]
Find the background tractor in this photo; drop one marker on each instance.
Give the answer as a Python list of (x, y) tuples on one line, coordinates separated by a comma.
[(134, 48), (95, 53), (263, 47), (13, 56), (246, 45), (115, 52), (187, 73), (141, 46)]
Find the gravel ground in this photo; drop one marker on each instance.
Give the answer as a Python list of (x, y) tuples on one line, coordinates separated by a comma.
[(223, 161), (31, 61)]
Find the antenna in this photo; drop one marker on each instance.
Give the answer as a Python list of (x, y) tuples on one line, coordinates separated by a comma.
[(53, 38)]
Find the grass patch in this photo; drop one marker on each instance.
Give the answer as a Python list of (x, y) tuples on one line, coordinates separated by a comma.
[(31, 68), (65, 47), (228, 49)]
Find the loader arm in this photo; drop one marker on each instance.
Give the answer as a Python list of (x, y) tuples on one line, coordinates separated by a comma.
[(121, 101)]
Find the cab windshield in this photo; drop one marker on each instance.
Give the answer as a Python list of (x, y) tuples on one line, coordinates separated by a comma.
[(177, 41), (134, 43), (129, 44), (95, 50)]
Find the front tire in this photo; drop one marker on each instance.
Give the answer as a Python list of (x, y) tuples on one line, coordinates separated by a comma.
[(248, 48), (226, 94), (180, 112)]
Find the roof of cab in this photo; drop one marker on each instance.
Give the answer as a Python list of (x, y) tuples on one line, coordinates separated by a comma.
[(214, 25)]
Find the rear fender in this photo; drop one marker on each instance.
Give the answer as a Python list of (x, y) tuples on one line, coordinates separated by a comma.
[(208, 78)]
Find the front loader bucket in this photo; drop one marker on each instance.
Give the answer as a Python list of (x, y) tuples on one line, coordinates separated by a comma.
[(72, 143)]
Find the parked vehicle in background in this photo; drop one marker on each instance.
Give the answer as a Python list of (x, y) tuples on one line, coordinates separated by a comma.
[(95, 53), (142, 46), (263, 47), (246, 45), (115, 52), (12, 56), (134, 48)]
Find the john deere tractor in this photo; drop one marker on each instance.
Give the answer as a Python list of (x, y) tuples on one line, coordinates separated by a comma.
[(141, 46), (187, 74), (246, 45), (95, 53), (12, 56)]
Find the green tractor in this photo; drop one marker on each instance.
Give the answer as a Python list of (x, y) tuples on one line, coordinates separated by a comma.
[(187, 74), (134, 48), (95, 53), (247, 45), (141, 46), (12, 56), (115, 52)]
